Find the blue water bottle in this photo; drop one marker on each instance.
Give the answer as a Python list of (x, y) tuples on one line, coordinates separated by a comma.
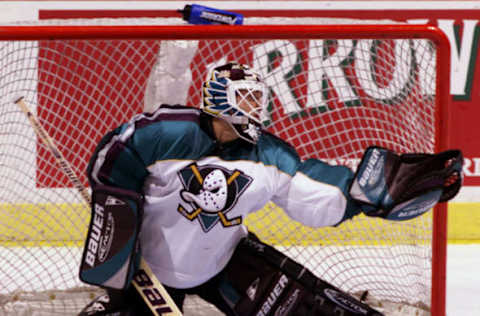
[(199, 14)]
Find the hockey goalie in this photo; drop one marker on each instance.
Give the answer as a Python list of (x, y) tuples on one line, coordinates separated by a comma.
[(200, 172)]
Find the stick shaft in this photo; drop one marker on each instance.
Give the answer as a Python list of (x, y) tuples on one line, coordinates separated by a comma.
[(151, 290), (60, 159)]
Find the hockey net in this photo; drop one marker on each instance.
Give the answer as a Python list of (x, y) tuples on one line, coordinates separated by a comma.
[(334, 90)]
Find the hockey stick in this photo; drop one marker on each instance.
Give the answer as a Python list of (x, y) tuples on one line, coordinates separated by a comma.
[(147, 285)]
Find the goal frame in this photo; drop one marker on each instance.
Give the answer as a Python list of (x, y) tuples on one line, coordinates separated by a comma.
[(442, 113)]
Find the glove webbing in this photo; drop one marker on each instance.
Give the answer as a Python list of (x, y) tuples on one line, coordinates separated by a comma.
[(416, 174)]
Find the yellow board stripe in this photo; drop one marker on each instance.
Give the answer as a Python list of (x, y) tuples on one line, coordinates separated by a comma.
[(45, 224), (464, 223), (65, 224)]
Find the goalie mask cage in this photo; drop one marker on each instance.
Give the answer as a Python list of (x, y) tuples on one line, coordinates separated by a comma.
[(333, 91)]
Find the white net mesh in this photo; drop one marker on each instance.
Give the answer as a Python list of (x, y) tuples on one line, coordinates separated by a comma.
[(330, 98)]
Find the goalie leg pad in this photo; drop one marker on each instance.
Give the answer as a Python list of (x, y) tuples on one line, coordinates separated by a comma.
[(111, 254), (260, 280)]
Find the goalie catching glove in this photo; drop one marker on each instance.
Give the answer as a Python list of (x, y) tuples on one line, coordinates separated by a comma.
[(400, 187)]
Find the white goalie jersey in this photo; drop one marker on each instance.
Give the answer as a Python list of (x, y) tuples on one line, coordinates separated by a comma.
[(198, 192)]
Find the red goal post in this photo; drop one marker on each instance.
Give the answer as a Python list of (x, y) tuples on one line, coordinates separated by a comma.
[(428, 118)]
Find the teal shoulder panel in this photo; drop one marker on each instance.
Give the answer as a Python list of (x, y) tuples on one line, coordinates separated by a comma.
[(171, 132), (170, 140), (339, 176), (276, 152)]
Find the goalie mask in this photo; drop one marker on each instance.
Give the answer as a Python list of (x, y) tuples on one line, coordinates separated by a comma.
[(236, 94)]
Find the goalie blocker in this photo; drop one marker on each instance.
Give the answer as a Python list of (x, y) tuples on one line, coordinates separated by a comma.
[(400, 187), (111, 254)]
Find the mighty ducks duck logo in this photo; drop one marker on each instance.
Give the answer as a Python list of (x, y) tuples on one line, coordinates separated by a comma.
[(211, 192)]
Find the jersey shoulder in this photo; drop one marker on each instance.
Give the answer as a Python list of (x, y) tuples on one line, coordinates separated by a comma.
[(170, 132)]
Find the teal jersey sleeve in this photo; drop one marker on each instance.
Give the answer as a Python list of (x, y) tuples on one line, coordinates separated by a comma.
[(114, 163)]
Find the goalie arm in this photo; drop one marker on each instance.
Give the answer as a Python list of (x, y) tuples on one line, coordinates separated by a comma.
[(311, 192), (318, 194)]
